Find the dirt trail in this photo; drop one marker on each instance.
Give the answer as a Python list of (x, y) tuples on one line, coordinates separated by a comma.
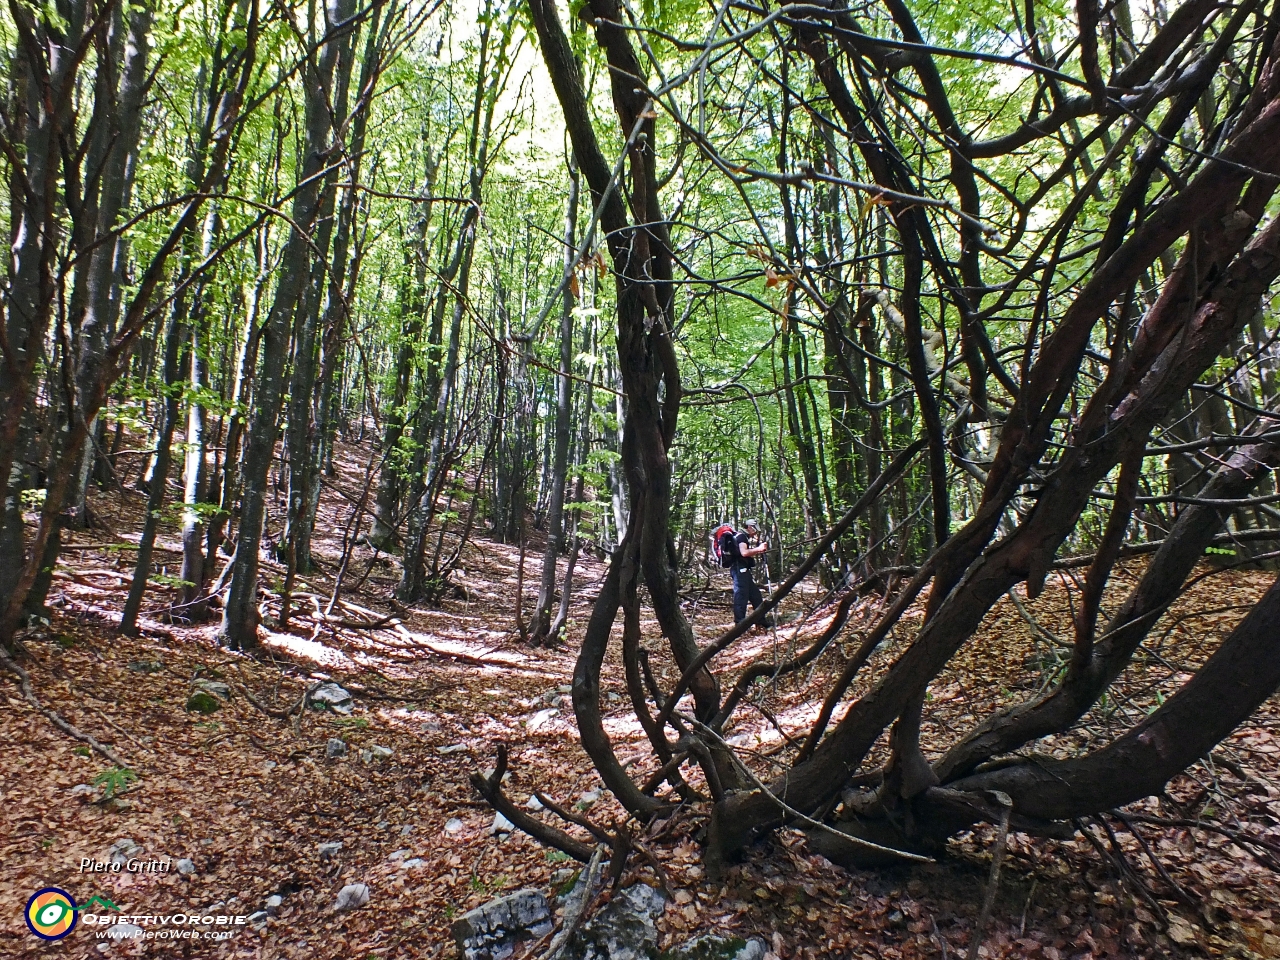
[(250, 798)]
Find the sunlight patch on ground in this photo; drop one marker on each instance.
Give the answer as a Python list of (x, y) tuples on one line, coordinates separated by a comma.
[(311, 649), (626, 727)]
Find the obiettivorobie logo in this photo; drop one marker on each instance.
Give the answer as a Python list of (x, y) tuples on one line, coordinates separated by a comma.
[(52, 912)]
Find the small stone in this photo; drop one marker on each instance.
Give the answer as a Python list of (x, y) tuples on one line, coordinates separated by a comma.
[(273, 904), (407, 829), (501, 825), (329, 850), (216, 687), (186, 867), (145, 666), (454, 826), (588, 798), (123, 850), (612, 697), (399, 855), (258, 919), (541, 719), (269, 765), (352, 897), (124, 931), (533, 803), (334, 749), (330, 696), (366, 756), (381, 753), (83, 790), (711, 946), (411, 863), (564, 689), (384, 824), (452, 748)]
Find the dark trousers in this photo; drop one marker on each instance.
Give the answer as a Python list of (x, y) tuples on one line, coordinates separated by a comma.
[(744, 591)]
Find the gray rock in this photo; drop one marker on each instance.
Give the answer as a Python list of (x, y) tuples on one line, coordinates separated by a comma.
[(366, 756), (352, 897), (501, 825), (258, 919), (411, 863), (186, 867), (384, 824), (492, 931), (533, 803), (219, 689), (623, 930), (334, 749), (381, 753), (329, 850), (124, 931), (330, 696), (712, 946), (83, 790), (451, 748), (407, 829), (454, 826), (122, 850), (145, 666), (273, 904)]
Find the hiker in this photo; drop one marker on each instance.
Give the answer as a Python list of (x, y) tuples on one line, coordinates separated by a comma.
[(736, 552)]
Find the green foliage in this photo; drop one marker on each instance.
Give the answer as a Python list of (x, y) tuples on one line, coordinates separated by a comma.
[(203, 702), (114, 781)]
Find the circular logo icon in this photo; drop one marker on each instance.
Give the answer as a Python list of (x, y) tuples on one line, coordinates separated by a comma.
[(51, 913)]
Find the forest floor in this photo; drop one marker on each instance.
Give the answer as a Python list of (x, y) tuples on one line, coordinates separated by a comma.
[(249, 798)]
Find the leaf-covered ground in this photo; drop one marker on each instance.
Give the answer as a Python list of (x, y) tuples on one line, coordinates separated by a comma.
[(249, 797)]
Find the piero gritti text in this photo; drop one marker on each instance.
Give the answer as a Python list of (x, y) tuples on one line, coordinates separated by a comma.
[(132, 865)]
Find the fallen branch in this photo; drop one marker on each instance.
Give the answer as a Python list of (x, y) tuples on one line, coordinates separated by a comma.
[(24, 684), (993, 883), (491, 789)]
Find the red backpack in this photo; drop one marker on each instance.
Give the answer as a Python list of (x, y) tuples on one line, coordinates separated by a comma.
[(723, 545)]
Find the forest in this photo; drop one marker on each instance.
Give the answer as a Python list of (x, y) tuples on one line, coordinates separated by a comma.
[(378, 378)]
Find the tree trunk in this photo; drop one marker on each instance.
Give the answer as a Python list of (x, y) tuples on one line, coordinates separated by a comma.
[(239, 628)]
